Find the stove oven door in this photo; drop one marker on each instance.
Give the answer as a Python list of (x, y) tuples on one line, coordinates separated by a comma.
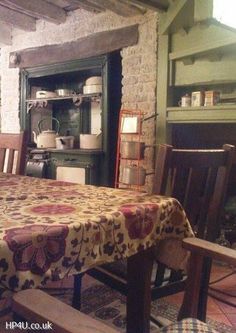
[(75, 172)]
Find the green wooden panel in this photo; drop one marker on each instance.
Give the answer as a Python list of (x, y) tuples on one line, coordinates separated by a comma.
[(201, 37), (203, 9), (162, 88), (206, 72), (216, 114)]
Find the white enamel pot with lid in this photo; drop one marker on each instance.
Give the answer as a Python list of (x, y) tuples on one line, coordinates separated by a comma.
[(90, 141)]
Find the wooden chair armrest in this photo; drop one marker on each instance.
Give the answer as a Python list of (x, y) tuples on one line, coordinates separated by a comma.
[(202, 252), (207, 249), (38, 307)]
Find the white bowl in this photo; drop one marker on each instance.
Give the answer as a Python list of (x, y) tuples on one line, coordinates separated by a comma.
[(92, 89)]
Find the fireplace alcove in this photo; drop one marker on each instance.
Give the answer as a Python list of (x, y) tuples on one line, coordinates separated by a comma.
[(75, 119)]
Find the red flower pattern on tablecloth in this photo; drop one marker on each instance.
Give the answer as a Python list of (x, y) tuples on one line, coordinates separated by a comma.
[(60, 193), (60, 183), (7, 183), (52, 209), (35, 247), (139, 219)]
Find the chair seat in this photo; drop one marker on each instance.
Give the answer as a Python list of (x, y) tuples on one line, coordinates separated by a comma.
[(189, 325)]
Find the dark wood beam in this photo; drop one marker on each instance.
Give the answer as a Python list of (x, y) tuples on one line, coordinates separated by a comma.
[(88, 5), (158, 5), (60, 3), (39, 9), (121, 8), (5, 34), (65, 4), (93, 45), (18, 20)]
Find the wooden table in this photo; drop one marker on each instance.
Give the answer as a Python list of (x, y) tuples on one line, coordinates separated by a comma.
[(51, 229)]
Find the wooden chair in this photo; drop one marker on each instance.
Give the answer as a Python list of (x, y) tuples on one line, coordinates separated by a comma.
[(36, 306), (198, 179), (13, 153)]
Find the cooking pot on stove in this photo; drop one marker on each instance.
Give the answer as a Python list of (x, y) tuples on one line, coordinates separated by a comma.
[(90, 141), (65, 142), (46, 139)]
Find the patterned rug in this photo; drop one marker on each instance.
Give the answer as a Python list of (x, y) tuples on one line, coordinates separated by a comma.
[(107, 305)]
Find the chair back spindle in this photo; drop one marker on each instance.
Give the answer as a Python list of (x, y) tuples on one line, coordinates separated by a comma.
[(12, 152)]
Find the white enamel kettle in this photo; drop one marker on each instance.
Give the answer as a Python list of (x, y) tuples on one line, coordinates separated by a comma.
[(46, 139)]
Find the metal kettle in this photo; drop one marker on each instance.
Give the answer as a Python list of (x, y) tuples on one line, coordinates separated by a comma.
[(46, 139)]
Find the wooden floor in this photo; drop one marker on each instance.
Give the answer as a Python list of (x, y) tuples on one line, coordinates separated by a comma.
[(217, 310)]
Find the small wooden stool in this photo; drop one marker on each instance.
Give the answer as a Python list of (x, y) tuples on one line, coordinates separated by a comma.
[(35, 306)]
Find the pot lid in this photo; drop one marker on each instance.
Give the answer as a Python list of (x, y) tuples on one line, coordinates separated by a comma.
[(48, 132), (65, 137)]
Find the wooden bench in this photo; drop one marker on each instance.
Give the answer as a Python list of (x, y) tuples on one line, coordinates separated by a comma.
[(35, 306)]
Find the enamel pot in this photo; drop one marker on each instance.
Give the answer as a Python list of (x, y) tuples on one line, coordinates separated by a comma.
[(65, 142), (90, 141)]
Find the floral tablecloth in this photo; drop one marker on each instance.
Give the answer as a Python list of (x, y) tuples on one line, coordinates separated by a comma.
[(50, 229)]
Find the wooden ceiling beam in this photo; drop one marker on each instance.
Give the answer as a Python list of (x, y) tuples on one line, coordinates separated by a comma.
[(157, 5), (5, 34), (88, 5), (60, 3), (39, 9), (67, 5), (121, 8), (94, 45), (17, 20)]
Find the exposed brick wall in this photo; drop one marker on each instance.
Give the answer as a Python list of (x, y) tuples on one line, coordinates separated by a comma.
[(138, 63)]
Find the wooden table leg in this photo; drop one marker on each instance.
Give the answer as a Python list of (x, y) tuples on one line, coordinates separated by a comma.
[(139, 292), (76, 301), (189, 308)]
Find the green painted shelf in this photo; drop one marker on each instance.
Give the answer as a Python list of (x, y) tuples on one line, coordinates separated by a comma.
[(202, 114)]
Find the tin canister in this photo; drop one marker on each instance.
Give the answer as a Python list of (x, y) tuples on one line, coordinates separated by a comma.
[(185, 101), (197, 98), (212, 97)]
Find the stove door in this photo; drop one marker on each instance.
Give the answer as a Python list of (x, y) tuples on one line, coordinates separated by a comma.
[(71, 174), (75, 172)]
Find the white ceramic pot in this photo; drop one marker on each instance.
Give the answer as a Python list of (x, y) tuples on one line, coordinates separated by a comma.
[(65, 142), (90, 141)]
